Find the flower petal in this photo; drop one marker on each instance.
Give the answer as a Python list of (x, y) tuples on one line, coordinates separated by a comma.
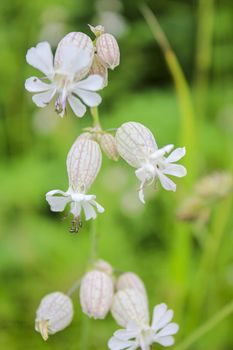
[(169, 329), (99, 207), (89, 211), (74, 60), (92, 83), (175, 170), (124, 334), (167, 183), (158, 312), (165, 341), (57, 203), (77, 106), (34, 84), (91, 99), (41, 57), (162, 151), (76, 209), (176, 155), (42, 99), (117, 344)]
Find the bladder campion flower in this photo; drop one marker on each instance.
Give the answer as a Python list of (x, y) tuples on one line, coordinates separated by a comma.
[(65, 74), (54, 313), (83, 164), (131, 280), (96, 293), (137, 146), (131, 312)]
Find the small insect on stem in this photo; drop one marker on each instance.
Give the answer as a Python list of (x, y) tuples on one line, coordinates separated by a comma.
[(76, 224)]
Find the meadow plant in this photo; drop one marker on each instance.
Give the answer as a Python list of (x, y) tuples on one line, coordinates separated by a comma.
[(73, 76)]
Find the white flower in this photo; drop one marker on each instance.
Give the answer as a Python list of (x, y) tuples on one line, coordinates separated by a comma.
[(141, 336), (137, 146), (83, 164), (64, 74), (54, 313)]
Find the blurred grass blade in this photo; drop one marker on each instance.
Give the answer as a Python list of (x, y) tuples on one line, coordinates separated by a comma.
[(188, 122), (206, 327)]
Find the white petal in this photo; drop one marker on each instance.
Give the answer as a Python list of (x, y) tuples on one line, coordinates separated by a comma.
[(57, 203), (34, 84), (165, 341), (73, 59), (41, 57), (167, 183), (99, 207), (42, 99), (141, 193), (124, 334), (158, 312), (77, 106), (176, 155), (141, 174), (161, 152), (165, 319), (175, 170), (76, 209), (92, 83), (170, 329), (117, 344), (89, 211), (91, 99)]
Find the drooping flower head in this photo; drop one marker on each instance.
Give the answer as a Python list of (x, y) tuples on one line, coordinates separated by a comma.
[(54, 313), (96, 293), (83, 164), (137, 146), (64, 75), (130, 311)]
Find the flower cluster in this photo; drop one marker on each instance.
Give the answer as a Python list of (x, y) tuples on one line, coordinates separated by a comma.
[(75, 73), (127, 300)]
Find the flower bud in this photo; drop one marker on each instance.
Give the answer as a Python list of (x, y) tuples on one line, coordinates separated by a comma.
[(54, 313), (83, 164), (80, 41), (131, 280), (108, 145), (98, 68), (129, 305), (108, 50), (97, 30), (134, 143), (215, 186), (104, 266), (96, 293), (85, 136)]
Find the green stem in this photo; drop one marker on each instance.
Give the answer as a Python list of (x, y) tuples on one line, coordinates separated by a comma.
[(208, 260), (206, 327), (188, 122), (205, 29), (95, 116)]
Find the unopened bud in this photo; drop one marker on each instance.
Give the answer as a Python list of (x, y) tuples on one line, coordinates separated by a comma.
[(108, 145), (130, 305), (108, 50), (96, 293), (97, 30), (216, 185), (104, 266), (54, 313), (131, 280)]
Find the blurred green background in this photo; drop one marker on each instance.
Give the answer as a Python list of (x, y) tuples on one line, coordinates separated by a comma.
[(188, 265)]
